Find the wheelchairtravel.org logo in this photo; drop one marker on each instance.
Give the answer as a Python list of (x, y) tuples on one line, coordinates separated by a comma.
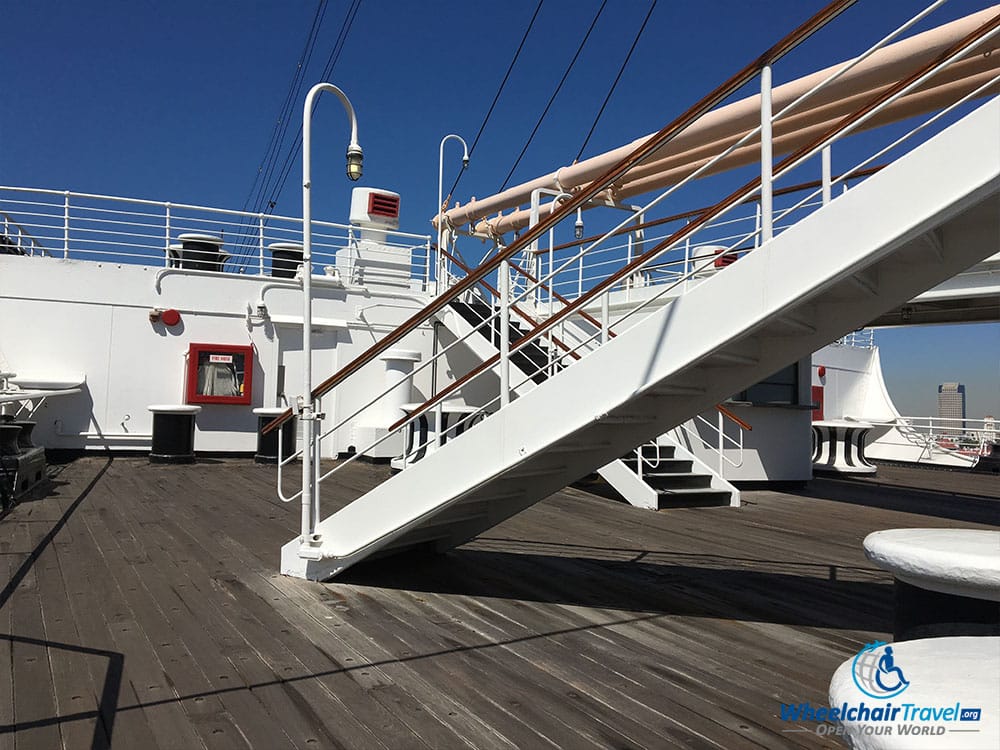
[(879, 678)]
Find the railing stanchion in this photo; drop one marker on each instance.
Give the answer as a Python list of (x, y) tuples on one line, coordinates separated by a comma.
[(166, 237), (503, 282), (766, 156), (66, 223), (438, 408), (260, 244), (827, 174), (722, 444), (317, 438), (605, 317)]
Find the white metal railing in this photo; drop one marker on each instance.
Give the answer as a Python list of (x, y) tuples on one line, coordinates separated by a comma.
[(863, 338), (111, 229), (721, 443), (16, 240), (965, 438), (702, 230)]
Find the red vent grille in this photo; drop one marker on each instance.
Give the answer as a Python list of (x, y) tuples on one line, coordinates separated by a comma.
[(380, 204)]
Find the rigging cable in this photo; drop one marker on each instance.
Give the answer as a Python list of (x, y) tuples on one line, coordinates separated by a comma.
[(617, 79), (284, 114), (255, 197), (275, 188), (554, 94), (327, 71), (500, 90)]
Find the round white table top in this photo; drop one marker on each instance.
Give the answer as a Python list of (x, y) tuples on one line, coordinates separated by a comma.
[(942, 673), (964, 562)]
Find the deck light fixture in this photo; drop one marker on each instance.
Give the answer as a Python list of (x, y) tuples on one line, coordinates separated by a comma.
[(578, 226), (441, 200), (354, 161), (308, 418)]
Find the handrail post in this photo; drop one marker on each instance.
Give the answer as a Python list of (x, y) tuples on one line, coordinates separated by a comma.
[(503, 282), (317, 469), (605, 317), (166, 239), (65, 223), (260, 249), (438, 407), (427, 265), (722, 444), (766, 156), (827, 174)]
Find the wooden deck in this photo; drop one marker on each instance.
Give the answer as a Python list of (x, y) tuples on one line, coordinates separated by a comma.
[(142, 610)]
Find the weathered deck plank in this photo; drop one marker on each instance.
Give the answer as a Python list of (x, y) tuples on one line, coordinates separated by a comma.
[(142, 610)]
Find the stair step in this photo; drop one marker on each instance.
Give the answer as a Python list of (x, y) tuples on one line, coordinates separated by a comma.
[(678, 481), (664, 466), (692, 498)]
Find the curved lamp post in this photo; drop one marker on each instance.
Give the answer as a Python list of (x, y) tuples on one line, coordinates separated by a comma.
[(440, 215), (310, 541)]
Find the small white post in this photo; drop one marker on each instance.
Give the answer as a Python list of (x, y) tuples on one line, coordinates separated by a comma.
[(260, 250), (438, 407), (605, 317), (766, 156), (827, 174), (503, 281), (166, 239), (722, 444), (66, 223)]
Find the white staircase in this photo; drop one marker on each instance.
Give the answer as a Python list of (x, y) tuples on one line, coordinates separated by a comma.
[(930, 215), (663, 474), (660, 480)]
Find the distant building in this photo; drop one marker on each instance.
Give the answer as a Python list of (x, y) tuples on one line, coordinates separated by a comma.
[(951, 406), (989, 429)]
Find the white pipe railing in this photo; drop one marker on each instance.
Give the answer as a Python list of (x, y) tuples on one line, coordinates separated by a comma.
[(967, 438), (89, 226)]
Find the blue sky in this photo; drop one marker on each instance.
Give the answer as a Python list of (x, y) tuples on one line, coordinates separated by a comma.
[(177, 101)]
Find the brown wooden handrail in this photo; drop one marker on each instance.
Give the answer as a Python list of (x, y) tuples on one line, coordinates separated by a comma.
[(583, 313), (710, 213), (654, 142), (514, 308), (812, 184), (729, 415)]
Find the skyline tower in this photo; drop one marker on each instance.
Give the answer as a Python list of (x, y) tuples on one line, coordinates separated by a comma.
[(951, 405)]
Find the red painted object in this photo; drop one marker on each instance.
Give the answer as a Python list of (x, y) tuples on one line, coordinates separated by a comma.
[(170, 317), (817, 398)]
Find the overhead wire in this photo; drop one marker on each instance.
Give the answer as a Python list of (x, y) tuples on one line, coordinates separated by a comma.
[(500, 89), (555, 93), (255, 198), (618, 78), (327, 71), (277, 185), (284, 114)]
